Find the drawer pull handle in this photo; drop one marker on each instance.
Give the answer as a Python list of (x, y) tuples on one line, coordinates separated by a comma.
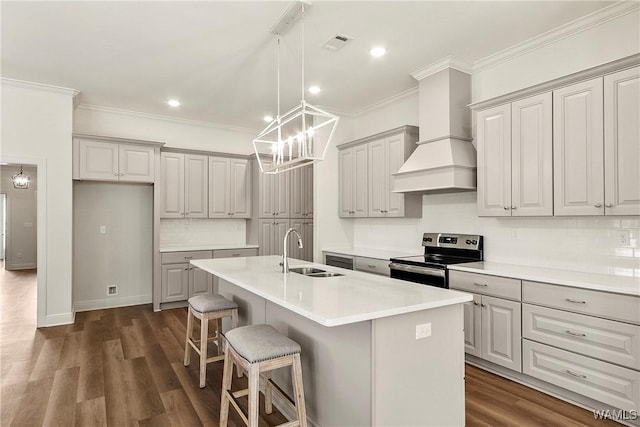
[(575, 334), (188, 257), (235, 254), (484, 285), (371, 266), (573, 374), (575, 301), (475, 303)]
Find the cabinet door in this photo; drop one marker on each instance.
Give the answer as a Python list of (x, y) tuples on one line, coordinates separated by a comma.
[(578, 164), (219, 187), (307, 239), (200, 282), (280, 227), (293, 250), (532, 156), (494, 161), (472, 326), (136, 163), (394, 152), (307, 191), (98, 160), (172, 185), (267, 183), (240, 188), (360, 192), (621, 142), (296, 183), (266, 237), (378, 181), (280, 194), (196, 187), (346, 185), (175, 282), (501, 332)]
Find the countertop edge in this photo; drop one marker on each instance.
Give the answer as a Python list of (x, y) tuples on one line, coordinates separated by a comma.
[(177, 248)]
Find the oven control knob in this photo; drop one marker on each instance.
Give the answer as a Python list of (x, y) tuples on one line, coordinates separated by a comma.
[(475, 242), (468, 242)]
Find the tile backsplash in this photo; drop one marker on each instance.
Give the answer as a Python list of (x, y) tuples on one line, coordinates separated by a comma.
[(595, 244), (180, 232)]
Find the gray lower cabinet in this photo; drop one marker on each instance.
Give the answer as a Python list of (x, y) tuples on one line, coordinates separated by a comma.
[(181, 280), (492, 321), (175, 282)]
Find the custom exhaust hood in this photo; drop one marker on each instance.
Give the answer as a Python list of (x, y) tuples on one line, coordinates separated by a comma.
[(445, 159)]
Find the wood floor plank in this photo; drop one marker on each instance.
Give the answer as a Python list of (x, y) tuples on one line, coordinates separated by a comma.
[(143, 396), (10, 398), (33, 404), (131, 346), (202, 404), (118, 408), (180, 409), (161, 371), (61, 407), (91, 381), (91, 413), (70, 354), (48, 358)]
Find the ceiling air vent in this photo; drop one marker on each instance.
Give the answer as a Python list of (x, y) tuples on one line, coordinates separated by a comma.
[(336, 42)]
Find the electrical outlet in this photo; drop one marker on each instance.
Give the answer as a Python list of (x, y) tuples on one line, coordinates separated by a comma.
[(622, 237), (103, 229), (112, 290), (423, 331)]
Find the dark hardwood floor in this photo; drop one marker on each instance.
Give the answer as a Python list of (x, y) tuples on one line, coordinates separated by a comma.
[(123, 367)]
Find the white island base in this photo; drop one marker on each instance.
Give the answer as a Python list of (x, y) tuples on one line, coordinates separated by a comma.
[(362, 373)]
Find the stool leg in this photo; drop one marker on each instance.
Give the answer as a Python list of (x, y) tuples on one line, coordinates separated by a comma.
[(299, 390), (254, 394), (268, 406), (187, 349), (227, 374), (204, 333), (234, 324), (219, 335)]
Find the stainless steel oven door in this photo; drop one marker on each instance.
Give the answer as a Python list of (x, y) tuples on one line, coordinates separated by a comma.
[(423, 275)]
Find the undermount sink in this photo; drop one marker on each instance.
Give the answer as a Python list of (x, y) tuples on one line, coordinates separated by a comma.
[(306, 270), (325, 274)]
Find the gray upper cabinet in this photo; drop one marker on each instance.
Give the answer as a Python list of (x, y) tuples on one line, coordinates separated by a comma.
[(366, 173), (273, 194), (622, 142), (301, 198), (515, 158), (229, 188), (184, 185), (101, 160), (578, 149)]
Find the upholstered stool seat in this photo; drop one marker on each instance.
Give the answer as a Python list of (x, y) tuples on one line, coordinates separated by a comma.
[(207, 307), (259, 349)]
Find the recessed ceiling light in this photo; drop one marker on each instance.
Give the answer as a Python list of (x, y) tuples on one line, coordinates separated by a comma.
[(314, 90), (378, 51), (268, 119), (173, 102)]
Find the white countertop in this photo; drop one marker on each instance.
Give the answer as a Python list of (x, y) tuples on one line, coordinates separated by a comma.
[(577, 279), (372, 253), (207, 247), (329, 301)]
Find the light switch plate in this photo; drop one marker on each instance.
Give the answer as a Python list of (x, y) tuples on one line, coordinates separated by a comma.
[(103, 229), (423, 331)]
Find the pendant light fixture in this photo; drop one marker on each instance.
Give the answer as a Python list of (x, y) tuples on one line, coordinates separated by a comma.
[(21, 181), (302, 135)]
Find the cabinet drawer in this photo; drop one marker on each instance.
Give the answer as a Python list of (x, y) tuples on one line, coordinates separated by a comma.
[(502, 287), (174, 257), (601, 304), (604, 382), (602, 339), (229, 253), (373, 265)]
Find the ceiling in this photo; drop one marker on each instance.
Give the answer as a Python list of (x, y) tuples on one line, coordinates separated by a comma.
[(219, 57)]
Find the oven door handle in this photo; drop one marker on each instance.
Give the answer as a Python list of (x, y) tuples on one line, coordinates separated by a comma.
[(418, 270)]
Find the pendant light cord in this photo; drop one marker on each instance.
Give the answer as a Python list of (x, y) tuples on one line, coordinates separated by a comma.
[(302, 52), (278, 61)]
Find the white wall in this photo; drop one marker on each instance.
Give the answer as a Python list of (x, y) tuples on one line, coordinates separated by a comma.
[(21, 222), (36, 129), (121, 256), (578, 243)]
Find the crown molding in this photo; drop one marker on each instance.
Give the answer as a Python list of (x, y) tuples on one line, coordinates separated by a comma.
[(576, 26), (101, 109), (443, 64), (39, 86), (389, 100)]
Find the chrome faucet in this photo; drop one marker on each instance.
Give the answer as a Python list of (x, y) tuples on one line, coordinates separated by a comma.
[(285, 259)]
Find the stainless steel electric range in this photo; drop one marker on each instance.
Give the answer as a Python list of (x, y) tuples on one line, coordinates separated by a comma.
[(440, 251)]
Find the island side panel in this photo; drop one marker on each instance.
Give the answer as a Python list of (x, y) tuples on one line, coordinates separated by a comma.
[(336, 368), (251, 307), (419, 381)]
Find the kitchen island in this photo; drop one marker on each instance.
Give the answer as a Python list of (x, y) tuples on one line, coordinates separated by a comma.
[(362, 362)]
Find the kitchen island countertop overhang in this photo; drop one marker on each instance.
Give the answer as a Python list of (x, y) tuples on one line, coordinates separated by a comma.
[(329, 301)]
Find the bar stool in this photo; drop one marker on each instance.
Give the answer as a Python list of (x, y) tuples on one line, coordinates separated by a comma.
[(205, 308), (260, 349)]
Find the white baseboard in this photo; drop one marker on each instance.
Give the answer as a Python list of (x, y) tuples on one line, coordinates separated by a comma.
[(59, 319), (112, 302)]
